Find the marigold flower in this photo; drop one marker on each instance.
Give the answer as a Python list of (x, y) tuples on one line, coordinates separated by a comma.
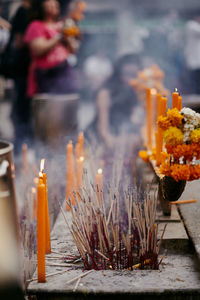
[(195, 136), (174, 117), (165, 169), (153, 155), (165, 156), (163, 122), (180, 172), (173, 136), (189, 151), (143, 155)]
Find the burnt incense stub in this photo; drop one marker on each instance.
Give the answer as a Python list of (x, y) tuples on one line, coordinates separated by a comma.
[(169, 190)]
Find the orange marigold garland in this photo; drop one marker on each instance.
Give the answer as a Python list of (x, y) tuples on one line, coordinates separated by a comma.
[(181, 133), (181, 172), (188, 151), (174, 119)]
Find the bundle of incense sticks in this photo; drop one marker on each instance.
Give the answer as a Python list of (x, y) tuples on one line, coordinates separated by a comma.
[(109, 236)]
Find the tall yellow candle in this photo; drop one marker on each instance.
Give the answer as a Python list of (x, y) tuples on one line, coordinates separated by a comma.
[(41, 231), (175, 96), (47, 225), (70, 175), (149, 118)]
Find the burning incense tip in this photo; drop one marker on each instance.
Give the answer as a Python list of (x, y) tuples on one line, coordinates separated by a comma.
[(100, 171), (42, 165), (153, 91)]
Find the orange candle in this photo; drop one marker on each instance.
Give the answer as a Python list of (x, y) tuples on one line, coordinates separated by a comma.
[(163, 106), (149, 118), (179, 103), (153, 107), (175, 96), (77, 150), (41, 230), (24, 157), (81, 144), (79, 171), (70, 175), (159, 133), (33, 191), (47, 226), (99, 179), (158, 100)]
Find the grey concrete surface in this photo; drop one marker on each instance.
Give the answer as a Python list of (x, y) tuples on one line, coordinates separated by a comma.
[(191, 212)]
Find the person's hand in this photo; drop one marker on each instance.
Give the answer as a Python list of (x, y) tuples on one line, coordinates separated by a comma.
[(71, 43)]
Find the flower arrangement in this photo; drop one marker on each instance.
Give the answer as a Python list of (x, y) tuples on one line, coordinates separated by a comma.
[(181, 133)]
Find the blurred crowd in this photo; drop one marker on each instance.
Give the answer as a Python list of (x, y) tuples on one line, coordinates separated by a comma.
[(37, 47), (42, 50)]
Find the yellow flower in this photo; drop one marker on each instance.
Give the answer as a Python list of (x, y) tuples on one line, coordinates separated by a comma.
[(195, 136), (143, 155), (174, 117), (153, 155), (173, 136), (163, 122)]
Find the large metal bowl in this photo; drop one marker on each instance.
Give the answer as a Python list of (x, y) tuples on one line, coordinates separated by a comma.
[(54, 117)]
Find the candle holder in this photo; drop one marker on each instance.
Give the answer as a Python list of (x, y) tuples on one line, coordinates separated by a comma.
[(169, 190)]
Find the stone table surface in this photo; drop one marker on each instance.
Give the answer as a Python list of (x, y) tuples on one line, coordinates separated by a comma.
[(178, 274), (191, 212)]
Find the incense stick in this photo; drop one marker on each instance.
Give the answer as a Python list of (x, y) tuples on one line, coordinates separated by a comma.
[(183, 201), (79, 277)]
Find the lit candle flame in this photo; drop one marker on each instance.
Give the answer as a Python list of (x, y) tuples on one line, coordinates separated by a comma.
[(100, 171), (33, 190), (153, 91), (42, 165), (81, 158), (176, 90), (40, 175)]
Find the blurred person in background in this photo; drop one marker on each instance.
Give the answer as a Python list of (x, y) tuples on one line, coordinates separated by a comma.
[(50, 71), (118, 110), (97, 68), (5, 27), (192, 53), (17, 61)]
